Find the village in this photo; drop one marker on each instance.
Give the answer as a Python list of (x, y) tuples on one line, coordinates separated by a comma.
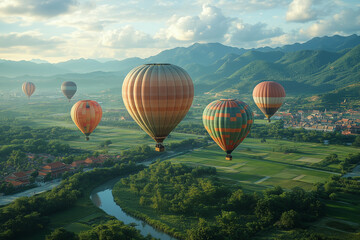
[(348, 123), (52, 170)]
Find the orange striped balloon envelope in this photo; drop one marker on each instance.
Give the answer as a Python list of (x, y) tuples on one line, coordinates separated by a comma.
[(158, 96), (228, 122), (86, 114), (269, 96), (28, 88)]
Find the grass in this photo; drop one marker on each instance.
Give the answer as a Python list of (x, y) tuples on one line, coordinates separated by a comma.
[(247, 167)]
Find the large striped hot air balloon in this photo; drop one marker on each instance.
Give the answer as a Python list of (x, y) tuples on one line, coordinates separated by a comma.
[(269, 96), (68, 89), (28, 88), (158, 96), (228, 122), (86, 114)]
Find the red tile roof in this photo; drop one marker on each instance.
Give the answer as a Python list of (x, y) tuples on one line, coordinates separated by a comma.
[(54, 165)]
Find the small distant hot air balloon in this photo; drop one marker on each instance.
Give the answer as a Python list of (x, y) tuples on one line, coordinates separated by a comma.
[(228, 122), (68, 89), (269, 96), (158, 96), (86, 114), (28, 88)]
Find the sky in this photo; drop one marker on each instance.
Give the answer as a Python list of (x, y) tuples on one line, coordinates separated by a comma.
[(59, 30)]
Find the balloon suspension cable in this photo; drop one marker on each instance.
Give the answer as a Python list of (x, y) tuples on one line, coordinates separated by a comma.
[(87, 138), (228, 157)]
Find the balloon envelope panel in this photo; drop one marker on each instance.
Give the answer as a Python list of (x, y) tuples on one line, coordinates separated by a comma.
[(269, 96), (86, 115), (28, 88), (158, 96), (228, 122), (68, 89)]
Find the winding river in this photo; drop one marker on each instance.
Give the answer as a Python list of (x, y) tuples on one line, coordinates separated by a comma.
[(102, 197)]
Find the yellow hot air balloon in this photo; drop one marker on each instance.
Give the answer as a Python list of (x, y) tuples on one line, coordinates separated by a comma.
[(269, 96), (158, 96), (86, 114), (28, 88)]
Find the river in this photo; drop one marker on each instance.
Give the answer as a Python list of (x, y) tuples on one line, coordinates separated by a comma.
[(102, 197)]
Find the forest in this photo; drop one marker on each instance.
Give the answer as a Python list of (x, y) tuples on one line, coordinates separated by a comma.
[(224, 211), (27, 215)]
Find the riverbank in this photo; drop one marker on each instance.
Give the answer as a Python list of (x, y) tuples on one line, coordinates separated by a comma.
[(174, 225), (6, 199), (102, 198)]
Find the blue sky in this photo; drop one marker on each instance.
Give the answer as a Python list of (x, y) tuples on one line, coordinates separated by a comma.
[(58, 30)]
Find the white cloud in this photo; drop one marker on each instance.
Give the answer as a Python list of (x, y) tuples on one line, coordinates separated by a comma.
[(242, 33), (345, 22), (29, 39), (300, 11), (209, 25), (245, 5), (36, 8), (126, 37)]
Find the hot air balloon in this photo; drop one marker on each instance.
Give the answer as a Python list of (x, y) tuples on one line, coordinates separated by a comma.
[(269, 96), (228, 122), (68, 89), (158, 96), (28, 88), (86, 114)]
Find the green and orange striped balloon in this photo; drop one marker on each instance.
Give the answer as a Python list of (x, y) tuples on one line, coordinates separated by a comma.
[(269, 96), (158, 97), (86, 114), (28, 88), (228, 122)]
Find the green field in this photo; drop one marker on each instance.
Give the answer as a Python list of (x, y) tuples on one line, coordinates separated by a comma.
[(256, 163)]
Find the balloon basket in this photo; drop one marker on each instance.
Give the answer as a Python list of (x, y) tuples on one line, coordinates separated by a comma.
[(228, 157), (159, 148)]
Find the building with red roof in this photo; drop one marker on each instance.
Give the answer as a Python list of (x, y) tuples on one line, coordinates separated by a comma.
[(55, 169), (19, 178)]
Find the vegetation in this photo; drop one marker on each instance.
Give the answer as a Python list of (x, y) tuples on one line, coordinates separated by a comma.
[(29, 215), (112, 230), (230, 213)]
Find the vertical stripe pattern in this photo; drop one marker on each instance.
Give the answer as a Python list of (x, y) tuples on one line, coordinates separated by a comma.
[(28, 88), (86, 114), (68, 89), (228, 122), (158, 96), (269, 96)]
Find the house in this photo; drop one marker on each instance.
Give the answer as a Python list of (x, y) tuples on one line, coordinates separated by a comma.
[(94, 160), (55, 169), (18, 179), (77, 164)]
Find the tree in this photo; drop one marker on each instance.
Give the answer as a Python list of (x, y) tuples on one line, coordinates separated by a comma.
[(61, 234), (356, 143), (289, 219), (333, 196)]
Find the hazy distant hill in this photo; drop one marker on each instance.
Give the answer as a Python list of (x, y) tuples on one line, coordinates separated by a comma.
[(319, 65), (204, 54), (18, 68)]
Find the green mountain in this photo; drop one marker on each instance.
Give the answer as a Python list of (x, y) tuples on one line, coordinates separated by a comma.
[(214, 67), (346, 97)]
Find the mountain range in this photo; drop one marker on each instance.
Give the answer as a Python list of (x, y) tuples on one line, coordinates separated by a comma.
[(319, 65)]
